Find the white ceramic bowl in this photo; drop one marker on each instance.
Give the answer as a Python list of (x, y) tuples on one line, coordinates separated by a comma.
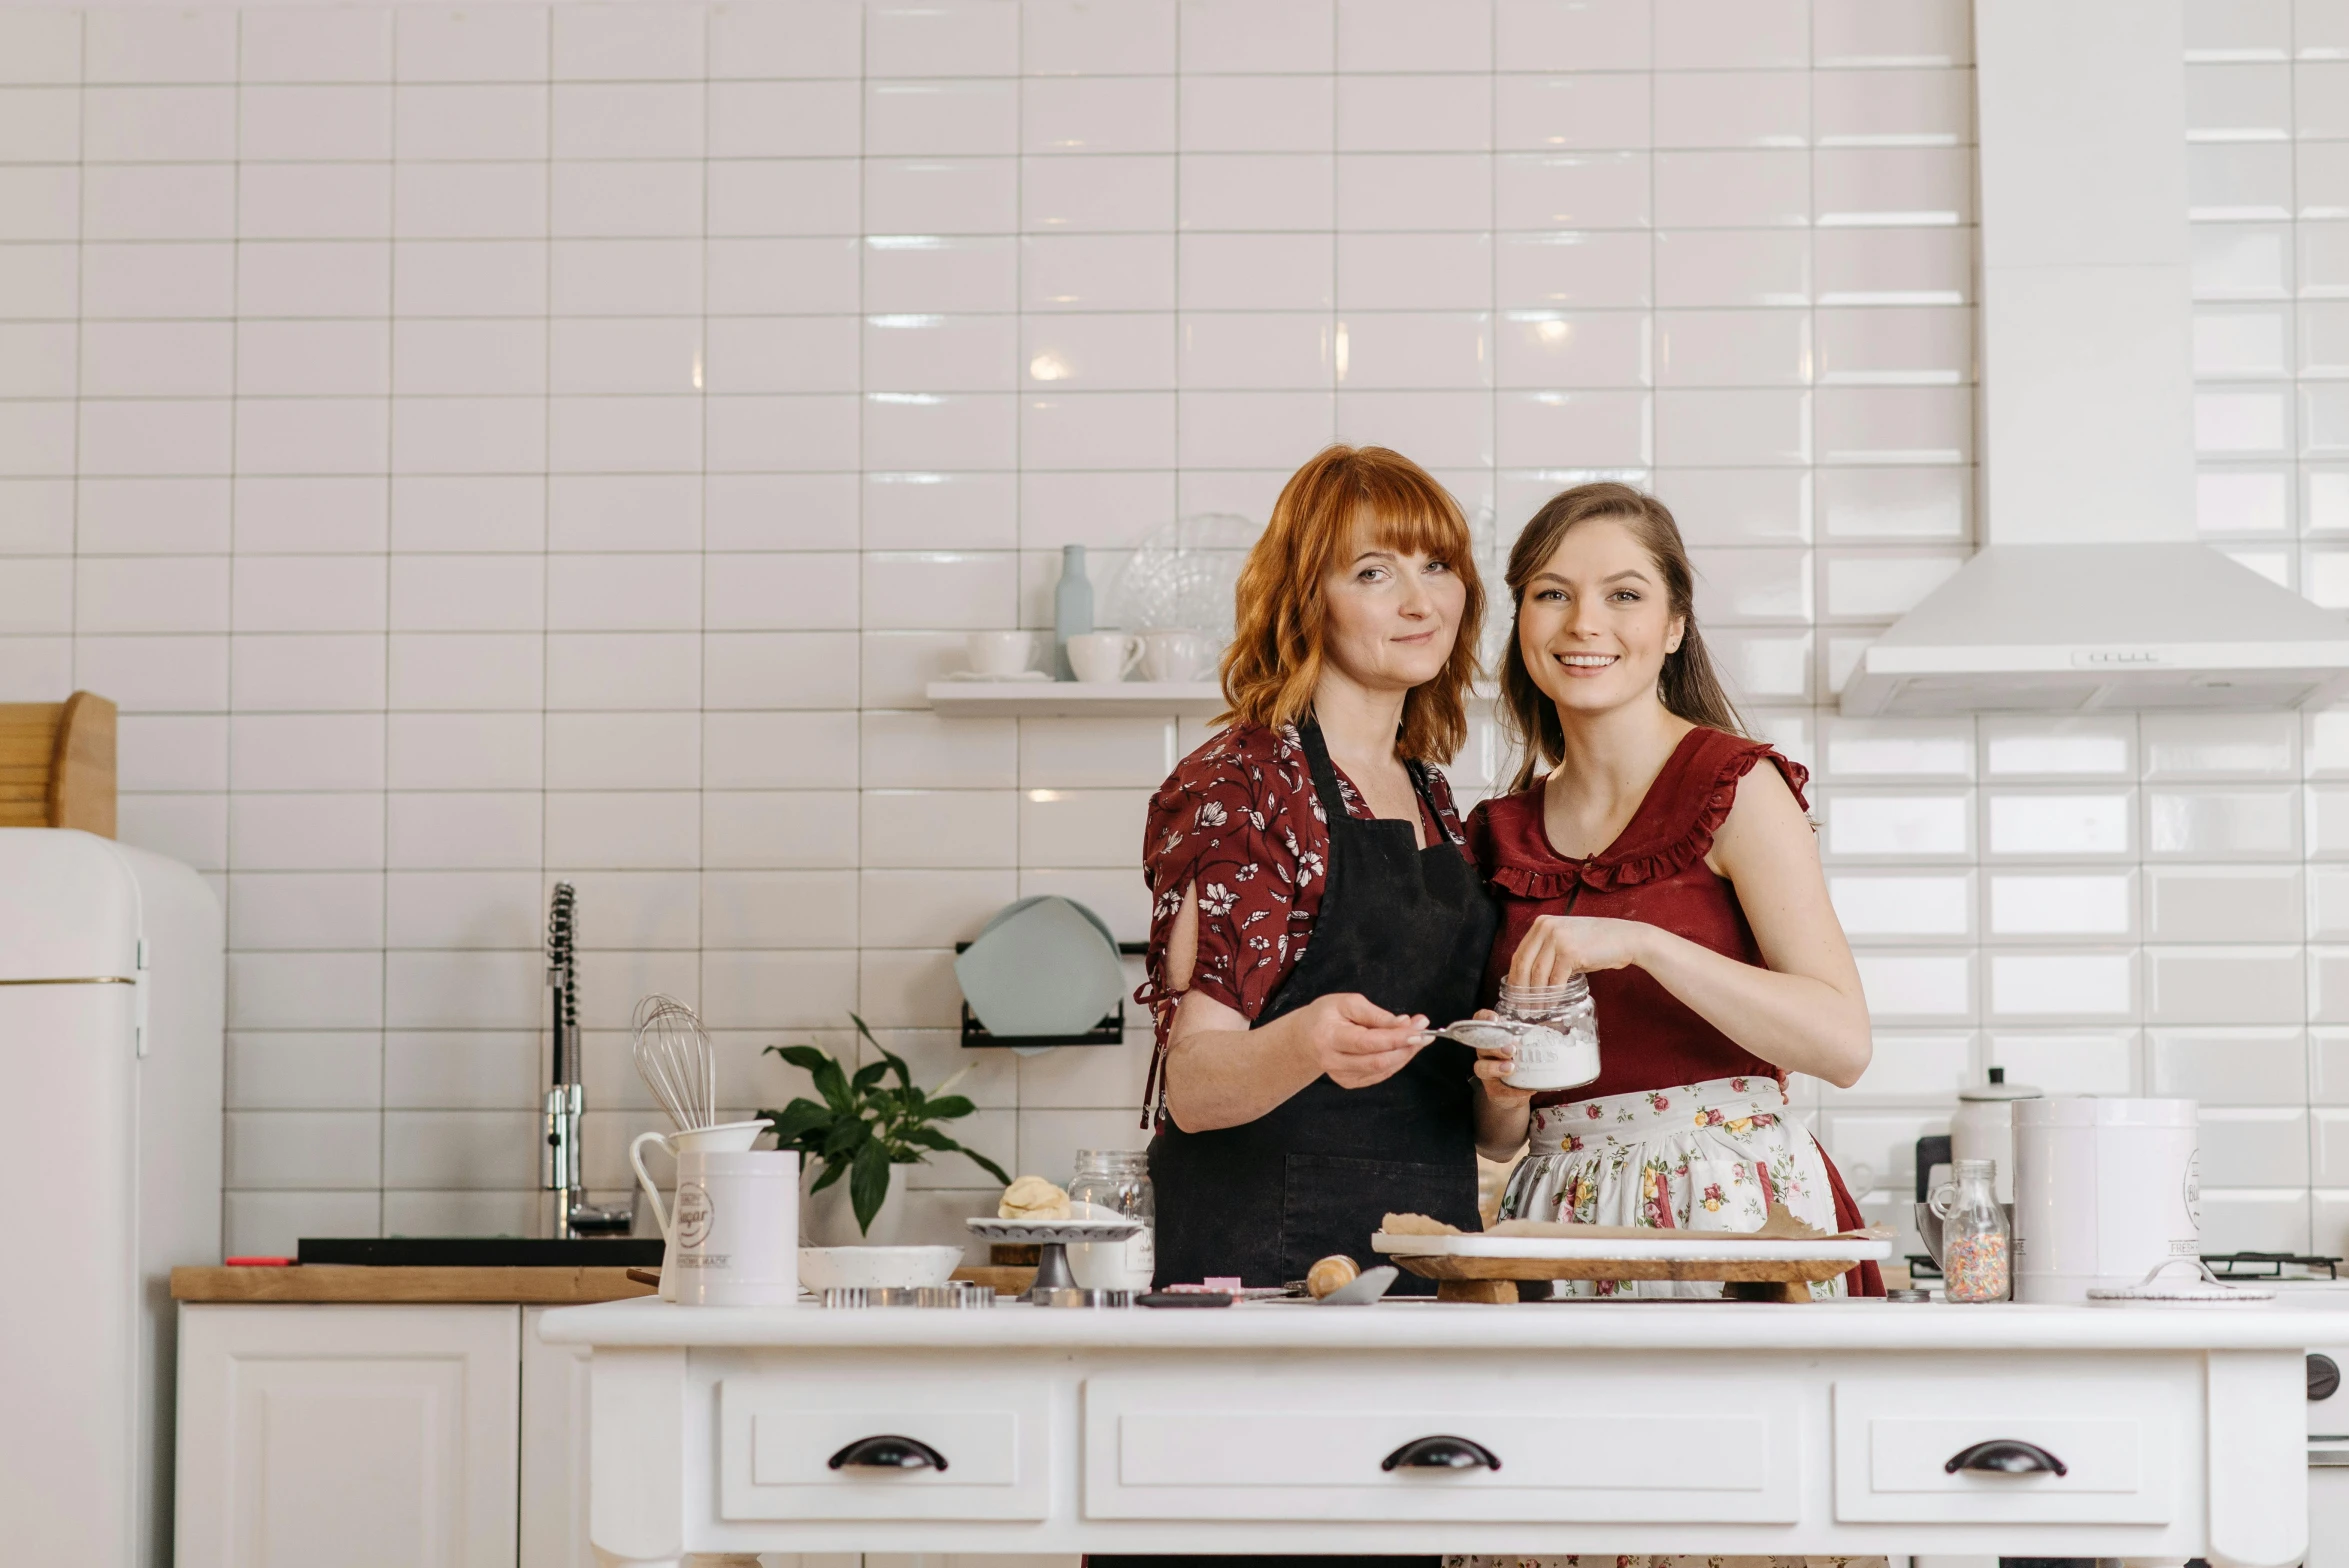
[(905, 1268)]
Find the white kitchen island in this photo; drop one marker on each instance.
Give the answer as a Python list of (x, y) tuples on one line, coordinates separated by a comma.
[(1286, 1427)]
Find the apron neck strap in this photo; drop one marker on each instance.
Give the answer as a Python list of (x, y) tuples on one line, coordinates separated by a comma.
[(1325, 776)]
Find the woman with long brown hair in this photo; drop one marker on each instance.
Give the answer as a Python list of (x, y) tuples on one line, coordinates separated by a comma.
[(1647, 847), (1315, 903)]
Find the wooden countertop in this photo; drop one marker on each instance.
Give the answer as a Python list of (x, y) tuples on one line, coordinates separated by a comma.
[(553, 1287), (353, 1283)]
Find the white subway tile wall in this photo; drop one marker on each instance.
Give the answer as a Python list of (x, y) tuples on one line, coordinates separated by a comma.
[(2238, 818), (485, 445)]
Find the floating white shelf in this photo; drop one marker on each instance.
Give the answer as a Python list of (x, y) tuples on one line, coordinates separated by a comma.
[(1075, 699)]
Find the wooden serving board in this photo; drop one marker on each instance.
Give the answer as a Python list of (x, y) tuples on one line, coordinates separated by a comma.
[(1775, 1270), (340, 1282)]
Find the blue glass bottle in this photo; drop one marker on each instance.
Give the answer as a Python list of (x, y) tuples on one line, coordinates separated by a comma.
[(1072, 608)]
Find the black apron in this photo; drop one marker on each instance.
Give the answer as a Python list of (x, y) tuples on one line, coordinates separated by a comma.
[(1410, 929)]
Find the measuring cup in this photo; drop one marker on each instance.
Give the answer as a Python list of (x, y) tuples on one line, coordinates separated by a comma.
[(726, 1138)]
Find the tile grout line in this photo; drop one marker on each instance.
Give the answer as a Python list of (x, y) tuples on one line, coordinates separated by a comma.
[(391, 414)]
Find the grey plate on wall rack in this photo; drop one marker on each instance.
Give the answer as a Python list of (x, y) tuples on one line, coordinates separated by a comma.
[(1111, 1030)]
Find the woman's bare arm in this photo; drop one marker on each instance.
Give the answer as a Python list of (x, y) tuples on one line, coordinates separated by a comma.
[(1805, 1011), (1222, 1073), (1502, 1114)]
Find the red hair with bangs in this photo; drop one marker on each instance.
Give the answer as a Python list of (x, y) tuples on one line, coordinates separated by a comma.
[(1345, 500)]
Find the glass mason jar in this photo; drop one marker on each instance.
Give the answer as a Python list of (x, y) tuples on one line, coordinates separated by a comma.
[(1566, 1058), (1114, 1184), (1569, 1060), (1976, 1252)]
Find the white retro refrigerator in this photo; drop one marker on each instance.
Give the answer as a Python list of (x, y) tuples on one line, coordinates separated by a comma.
[(110, 1073)]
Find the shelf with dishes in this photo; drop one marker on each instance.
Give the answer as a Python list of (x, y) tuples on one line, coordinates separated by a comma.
[(1050, 699)]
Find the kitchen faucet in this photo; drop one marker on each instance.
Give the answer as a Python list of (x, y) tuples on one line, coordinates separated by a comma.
[(562, 1172)]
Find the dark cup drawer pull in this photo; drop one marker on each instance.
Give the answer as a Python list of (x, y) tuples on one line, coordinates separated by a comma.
[(889, 1453), (1441, 1453), (2006, 1456)]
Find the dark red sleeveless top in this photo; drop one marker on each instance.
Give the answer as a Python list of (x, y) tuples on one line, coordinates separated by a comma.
[(1654, 871)]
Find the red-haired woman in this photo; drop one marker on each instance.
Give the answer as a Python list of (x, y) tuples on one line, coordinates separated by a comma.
[(1316, 906), (1647, 846)]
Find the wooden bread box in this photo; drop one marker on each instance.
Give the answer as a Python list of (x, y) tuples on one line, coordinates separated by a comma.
[(57, 764)]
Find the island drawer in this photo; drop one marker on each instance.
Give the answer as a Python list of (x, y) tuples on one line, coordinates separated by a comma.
[(1962, 1450), (1621, 1445), (804, 1446)]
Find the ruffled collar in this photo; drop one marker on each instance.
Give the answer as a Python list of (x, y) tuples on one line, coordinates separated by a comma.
[(1671, 831)]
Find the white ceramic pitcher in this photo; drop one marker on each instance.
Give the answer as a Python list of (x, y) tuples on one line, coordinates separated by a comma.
[(734, 1233), (725, 1138)]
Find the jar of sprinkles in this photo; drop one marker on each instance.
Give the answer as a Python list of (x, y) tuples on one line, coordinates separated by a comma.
[(1976, 1252)]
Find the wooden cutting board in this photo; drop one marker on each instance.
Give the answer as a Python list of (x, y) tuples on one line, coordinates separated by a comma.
[(345, 1282), (1783, 1270)]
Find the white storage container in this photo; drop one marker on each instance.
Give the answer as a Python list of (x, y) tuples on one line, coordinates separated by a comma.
[(2104, 1190)]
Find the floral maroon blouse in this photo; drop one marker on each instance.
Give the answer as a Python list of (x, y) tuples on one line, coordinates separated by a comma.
[(1239, 817)]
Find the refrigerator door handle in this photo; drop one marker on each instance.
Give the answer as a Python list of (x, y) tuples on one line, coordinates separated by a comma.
[(139, 1001)]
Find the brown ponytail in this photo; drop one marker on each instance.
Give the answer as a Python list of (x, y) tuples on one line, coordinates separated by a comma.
[(1688, 684)]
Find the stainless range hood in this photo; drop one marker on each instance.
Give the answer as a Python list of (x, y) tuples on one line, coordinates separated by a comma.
[(2090, 591)]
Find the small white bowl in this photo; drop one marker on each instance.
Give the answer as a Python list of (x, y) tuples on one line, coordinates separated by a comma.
[(903, 1268)]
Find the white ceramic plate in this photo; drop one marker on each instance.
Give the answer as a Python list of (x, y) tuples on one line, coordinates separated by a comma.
[(1669, 1246), (900, 1268), (1035, 1233)]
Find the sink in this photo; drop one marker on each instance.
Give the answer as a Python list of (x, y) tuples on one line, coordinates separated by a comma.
[(484, 1252)]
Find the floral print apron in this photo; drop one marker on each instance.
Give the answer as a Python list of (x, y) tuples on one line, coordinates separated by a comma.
[(1706, 1156)]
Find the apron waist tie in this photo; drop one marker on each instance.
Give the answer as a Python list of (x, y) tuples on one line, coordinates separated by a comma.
[(1630, 1118)]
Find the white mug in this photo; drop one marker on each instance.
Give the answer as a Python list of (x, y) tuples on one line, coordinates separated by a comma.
[(1173, 655), (999, 653), (727, 1137), (1104, 656)]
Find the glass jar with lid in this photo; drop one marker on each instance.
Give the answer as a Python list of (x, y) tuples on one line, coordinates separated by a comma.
[(1559, 1051), (1563, 1053), (1976, 1251), (1114, 1184)]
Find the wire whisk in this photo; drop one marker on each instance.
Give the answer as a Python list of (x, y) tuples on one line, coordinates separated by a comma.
[(674, 1059)]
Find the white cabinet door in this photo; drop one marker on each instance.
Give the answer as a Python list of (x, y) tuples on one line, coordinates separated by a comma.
[(348, 1437), (554, 1451)]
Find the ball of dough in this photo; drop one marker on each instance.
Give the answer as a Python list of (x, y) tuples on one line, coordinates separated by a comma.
[(1032, 1198), (1331, 1273)]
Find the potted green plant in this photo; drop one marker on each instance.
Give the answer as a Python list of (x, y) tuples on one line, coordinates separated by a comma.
[(863, 1124)]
